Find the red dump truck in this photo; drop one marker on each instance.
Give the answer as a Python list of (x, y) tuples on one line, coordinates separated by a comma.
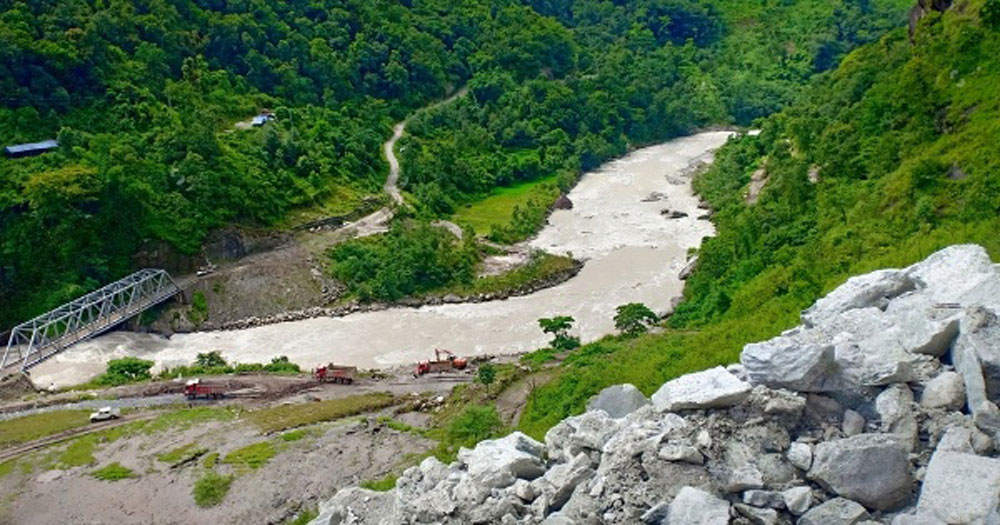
[(449, 363), (335, 374), (195, 389)]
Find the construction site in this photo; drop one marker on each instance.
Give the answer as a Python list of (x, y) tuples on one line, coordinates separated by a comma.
[(230, 448)]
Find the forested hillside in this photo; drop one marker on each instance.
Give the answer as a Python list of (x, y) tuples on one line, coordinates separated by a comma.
[(143, 97), (879, 163)]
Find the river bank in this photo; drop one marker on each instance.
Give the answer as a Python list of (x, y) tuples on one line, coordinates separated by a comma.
[(632, 253)]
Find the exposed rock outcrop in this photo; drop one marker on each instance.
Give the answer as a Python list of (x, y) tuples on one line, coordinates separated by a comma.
[(880, 408)]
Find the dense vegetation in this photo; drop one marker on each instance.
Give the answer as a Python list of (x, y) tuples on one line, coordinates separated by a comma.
[(628, 73), (891, 157), (143, 97), (412, 258)]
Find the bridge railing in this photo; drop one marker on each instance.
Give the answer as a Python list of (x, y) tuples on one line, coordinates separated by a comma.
[(36, 340)]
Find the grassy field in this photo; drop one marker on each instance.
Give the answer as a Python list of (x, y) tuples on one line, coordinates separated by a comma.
[(35, 426), (284, 417), (341, 200), (497, 209)]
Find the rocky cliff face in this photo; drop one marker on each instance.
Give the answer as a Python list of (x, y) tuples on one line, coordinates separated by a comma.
[(879, 408)]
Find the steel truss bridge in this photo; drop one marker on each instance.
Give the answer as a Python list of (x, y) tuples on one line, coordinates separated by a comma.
[(35, 341)]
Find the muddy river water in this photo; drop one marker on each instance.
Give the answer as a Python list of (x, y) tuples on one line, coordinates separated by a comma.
[(632, 252)]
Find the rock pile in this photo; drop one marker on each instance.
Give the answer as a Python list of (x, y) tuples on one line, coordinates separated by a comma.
[(879, 408)]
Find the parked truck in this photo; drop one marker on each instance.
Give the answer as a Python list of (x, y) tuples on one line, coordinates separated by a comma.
[(195, 389), (450, 363), (335, 373)]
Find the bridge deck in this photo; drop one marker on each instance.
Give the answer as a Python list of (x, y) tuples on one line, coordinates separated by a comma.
[(34, 341)]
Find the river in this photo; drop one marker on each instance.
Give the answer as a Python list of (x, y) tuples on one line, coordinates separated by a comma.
[(632, 253)]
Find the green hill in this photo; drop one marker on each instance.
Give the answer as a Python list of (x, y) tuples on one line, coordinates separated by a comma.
[(879, 163), (144, 97)]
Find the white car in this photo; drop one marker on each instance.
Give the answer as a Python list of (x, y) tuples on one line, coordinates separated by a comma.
[(105, 414)]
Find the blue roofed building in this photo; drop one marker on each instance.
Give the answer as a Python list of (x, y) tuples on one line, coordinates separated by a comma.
[(35, 148)]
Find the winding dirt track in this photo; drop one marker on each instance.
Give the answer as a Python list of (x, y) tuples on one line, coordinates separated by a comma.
[(378, 221)]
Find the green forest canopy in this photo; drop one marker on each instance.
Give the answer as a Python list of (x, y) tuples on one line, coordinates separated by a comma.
[(143, 96)]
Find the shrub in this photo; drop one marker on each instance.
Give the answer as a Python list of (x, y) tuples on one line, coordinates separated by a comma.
[(113, 472), (559, 327), (210, 360), (125, 370), (198, 312), (386, 483), (281, 365), (633, 319), (474, 424), (487, 374), (211, 489)]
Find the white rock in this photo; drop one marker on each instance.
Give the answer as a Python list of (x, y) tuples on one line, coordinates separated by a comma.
[(800, 455), (785, 363), (960, 488), (618, 401), (956, 439), (895, 407), (854, 423), (558, 518), (498, 462), (859, 292), (987, 417), (523, 489), (976, 325), (680, 452), (713, 388), (697, 507), (838, 511), (916, 519), (798, 500), (946, 390), (764, 498), (757, 516), (561, 480), (872, 469), (586, 432)]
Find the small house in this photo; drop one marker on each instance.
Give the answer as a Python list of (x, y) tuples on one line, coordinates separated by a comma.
[(26, 150), (262, 119)]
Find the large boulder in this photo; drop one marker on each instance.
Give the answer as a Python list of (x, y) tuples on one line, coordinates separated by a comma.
[(713, 388), (499, 462), (871, 289), (784, 363), (618, 401), (960, 488), (838, 511), (872, 469), (962, 274), (561, 480), (697, 507), (584, 433)]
